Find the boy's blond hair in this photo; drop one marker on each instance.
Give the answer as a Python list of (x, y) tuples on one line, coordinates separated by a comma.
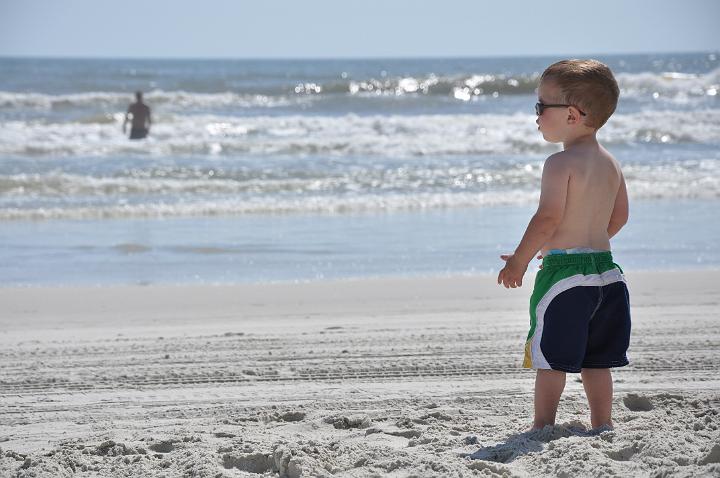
[(588, 84)]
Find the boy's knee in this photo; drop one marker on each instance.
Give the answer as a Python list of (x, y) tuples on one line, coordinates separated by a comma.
[(550, 373), (595, 372)]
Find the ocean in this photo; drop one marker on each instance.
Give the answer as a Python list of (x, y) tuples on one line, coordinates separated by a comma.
[(287, 170)]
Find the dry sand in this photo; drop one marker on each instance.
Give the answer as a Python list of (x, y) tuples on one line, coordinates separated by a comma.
[(377, 377)]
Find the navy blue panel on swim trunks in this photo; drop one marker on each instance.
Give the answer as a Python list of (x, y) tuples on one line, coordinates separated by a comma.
[(587, 327)]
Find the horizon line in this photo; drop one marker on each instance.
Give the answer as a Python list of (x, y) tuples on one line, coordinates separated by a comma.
[(355, 58)]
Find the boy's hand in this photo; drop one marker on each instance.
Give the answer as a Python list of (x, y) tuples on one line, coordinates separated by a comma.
[(511, 275)]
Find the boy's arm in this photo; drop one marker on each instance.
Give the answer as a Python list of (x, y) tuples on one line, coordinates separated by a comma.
[(551, 209), (543, 224), (621, 210)]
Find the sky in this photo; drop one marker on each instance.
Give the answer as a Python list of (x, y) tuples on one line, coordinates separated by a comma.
[(353, 29)]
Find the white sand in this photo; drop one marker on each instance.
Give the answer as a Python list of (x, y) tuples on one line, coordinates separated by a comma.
[(384, 377)]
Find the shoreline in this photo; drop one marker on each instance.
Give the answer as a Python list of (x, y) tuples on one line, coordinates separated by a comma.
[(327, 280), (290, 248)]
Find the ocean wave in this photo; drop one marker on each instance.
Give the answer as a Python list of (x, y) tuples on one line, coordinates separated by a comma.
[(467, 87), (665, 85), (157, 98), (287, 135), (349, 135), (669, 85), (319, 204), (234, 206), (162, 191), (458, 87), (189, 182)]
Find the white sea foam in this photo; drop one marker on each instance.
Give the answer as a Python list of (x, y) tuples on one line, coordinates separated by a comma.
[(669, 84), (357, 178), (385, 136), (278, 205), (181, 192)]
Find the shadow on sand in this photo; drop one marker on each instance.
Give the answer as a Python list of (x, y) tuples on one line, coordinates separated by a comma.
[(532, 441)]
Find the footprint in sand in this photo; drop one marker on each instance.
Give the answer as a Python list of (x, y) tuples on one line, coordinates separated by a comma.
[(163, 446), (346, 422), (637, 403), (289, 416), (251, 462), (623, 454), (712, 457)]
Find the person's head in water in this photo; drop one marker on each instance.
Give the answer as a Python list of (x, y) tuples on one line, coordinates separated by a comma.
[(138, 96)]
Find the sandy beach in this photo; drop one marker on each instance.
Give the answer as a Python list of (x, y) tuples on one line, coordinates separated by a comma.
[(372, 377)]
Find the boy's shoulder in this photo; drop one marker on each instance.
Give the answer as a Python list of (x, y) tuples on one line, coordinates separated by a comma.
[(570, 157), (560, 160)]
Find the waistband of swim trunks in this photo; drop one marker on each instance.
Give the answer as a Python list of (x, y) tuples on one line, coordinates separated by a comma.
[(554, 260)]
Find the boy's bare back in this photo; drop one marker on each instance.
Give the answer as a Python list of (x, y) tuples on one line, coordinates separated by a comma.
[(595, 189)]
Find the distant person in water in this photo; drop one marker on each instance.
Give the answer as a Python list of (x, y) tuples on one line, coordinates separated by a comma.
[(140, 114)]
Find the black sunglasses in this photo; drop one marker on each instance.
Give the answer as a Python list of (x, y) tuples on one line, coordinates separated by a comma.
[(540, 107)]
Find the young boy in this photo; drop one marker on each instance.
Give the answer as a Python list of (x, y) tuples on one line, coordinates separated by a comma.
[(579, 309)]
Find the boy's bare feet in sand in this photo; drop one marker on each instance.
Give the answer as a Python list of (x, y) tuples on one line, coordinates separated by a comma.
[(549, 385)]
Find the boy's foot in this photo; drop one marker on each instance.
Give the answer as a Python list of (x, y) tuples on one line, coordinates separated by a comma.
[(603, 427), (535, 427)]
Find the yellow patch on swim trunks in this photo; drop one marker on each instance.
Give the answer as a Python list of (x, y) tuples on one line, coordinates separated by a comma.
[(527, 362)]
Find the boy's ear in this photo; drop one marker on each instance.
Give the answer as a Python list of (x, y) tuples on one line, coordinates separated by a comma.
[(573, 115)]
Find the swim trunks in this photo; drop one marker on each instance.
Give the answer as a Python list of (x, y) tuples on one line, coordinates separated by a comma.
[(138, 133), (579, 314)]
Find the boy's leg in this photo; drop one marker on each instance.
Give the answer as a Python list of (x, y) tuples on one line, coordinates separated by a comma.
[(549, 385), (599, 390)]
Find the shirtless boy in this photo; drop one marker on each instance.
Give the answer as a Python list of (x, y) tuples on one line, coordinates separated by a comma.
[(579, 309)]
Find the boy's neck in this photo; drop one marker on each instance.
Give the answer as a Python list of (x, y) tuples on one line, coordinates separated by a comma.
[(582, 139)]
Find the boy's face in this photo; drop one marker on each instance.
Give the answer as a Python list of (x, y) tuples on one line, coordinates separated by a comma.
[(553, 122)]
